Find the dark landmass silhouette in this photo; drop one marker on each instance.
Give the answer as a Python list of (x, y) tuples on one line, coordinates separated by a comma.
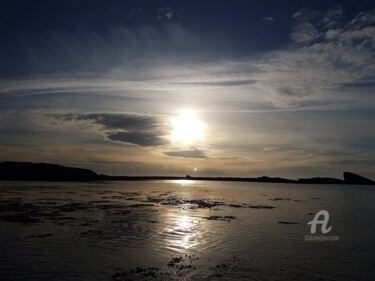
[(351, 178), (28, 171), (321, 180)]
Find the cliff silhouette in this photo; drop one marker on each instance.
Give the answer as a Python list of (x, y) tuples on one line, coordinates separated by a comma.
[(27, 171)]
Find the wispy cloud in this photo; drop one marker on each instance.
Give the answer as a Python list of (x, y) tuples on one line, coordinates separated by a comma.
[(297, 15), (195, 153), (166, 13), (327, 59), (268, 19), (329, 55), (304, 33), (92, 53)]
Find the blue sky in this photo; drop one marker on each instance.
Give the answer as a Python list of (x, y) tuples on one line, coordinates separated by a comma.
[(283, 88)]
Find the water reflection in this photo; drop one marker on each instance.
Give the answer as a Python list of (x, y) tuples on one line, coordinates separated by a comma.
[(182, 232), (182, 182)]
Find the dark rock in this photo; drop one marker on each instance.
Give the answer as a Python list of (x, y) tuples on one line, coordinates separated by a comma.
[(138, 273), (140, 205), (174, 261), (236, 206), (288, 222), (260, 206), (351, 178), (221, 218)]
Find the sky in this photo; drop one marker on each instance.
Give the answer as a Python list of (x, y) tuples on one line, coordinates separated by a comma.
[(205, 88)]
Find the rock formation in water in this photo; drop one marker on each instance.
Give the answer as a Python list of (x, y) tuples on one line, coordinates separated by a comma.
[(351, 178)]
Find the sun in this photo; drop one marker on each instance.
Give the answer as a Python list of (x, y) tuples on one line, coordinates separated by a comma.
[(187, 128)]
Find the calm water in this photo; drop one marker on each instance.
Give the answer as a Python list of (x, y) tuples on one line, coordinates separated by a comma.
[(182, 230)]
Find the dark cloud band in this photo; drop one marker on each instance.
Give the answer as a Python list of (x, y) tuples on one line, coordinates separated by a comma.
[(141, 130)]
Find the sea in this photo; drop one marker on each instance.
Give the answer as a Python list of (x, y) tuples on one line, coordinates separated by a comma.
[(186, 230)]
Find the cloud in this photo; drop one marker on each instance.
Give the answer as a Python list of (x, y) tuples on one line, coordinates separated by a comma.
[(166, 13), (319, 67), (141, 130), (296, 15), (323, 62), (306, 15), (333, 17), (143, 139), (270, 148), (268, 19), (363, 19), (228, 83), (96, 52), (195, 153), (304, 33), (169, 14)]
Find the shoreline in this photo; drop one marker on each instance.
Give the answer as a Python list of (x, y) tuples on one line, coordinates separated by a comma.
[(150, 178), (28, 171)]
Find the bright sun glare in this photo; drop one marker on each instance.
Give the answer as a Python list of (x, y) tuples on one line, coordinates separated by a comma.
[(187, 128)]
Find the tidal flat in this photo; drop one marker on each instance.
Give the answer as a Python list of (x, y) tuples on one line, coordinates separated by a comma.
[(183, 230)]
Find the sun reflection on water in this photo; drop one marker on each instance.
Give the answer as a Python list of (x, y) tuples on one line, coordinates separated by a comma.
[(182, 233), (184, 182), (185, 226)]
